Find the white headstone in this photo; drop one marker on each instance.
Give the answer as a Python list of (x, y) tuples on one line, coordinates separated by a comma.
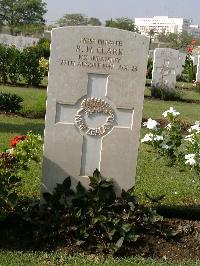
[(20, 42), (180, 63), (166, 66), (198, 69), (94, 106)]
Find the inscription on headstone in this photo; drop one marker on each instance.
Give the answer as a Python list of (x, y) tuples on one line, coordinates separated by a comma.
[(94, 105)]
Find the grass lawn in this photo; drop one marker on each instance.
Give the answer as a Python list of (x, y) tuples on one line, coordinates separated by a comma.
[(153, 176), (34, 103), (53, 259)]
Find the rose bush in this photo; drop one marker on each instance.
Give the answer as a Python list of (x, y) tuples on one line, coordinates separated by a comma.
[(24, 149)]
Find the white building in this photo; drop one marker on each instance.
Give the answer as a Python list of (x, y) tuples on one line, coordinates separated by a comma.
[(194, 30), (161, 24)]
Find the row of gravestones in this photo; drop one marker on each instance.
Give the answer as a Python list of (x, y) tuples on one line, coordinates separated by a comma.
[(20, 42), (167, 64), (94, 106)]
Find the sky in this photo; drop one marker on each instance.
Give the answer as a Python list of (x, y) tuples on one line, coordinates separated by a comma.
[(106, 9)]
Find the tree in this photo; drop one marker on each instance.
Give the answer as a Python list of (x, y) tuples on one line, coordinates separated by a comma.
[(94, 21), (176, 41), (122, 23), (15, 13), (73, 20)]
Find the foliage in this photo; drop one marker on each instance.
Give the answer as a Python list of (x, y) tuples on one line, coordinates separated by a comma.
[(73, 20), (94, 219), (44, 47), (77, 19), (94, 21), (149, 68), (12, 163), (165, 93), (10, 102), (122, 23), (170, 143), (176, 41), (28, 64), (189, 69), (20, 12), (31, 69)]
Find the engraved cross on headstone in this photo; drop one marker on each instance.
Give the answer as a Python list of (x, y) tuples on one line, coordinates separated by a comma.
[(165, 70), (94, 116)]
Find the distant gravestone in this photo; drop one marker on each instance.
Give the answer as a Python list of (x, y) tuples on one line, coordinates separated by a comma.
[(20, 42), (198, 69), (94, 105), (180, 63), (166, 66)]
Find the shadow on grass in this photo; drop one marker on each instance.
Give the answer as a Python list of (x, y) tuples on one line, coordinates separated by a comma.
[(180, 212), (22, 128)]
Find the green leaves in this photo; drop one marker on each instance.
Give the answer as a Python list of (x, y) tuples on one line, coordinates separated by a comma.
[(95, 219)]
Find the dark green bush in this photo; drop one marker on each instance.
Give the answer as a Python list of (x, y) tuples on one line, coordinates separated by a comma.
[(94, 219), (3, 64), (31, 70), (13, 64), (165, 93), (149, 68), (189, 71), (44, 48), (10, 102), (16, 65)]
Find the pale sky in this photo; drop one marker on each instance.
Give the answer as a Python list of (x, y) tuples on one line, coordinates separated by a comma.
[(106, 9)]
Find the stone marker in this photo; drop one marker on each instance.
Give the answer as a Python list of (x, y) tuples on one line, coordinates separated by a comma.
[(94, 106), (20, 42), (166, 66), (198, 69)]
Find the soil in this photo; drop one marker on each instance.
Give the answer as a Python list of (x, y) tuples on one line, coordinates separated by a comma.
[(184, 244)]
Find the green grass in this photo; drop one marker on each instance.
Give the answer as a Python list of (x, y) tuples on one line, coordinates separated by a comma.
[(16, 125), (153, 177), (186, 94), (154, 109), (34, 104), (52, 259)]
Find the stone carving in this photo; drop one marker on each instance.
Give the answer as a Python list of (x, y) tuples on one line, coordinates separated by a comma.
[(91, 106)]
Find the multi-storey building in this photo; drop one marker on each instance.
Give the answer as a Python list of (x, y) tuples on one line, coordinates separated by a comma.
[(159, 24)]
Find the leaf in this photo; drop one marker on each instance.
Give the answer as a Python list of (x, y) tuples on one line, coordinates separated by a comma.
[(67, 183), (48, 197), (126, 227), (119, 243), (12, 198), (80, 188)]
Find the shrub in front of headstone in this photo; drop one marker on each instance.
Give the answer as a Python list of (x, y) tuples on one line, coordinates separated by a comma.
[(165, 93), (170, 142), (95, 219), (10, 102), (31, 70), (24, 149)]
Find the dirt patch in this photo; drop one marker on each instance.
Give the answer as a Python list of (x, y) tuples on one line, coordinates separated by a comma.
[(184, 244)]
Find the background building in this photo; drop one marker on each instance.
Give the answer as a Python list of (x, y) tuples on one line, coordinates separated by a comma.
[(159, 24)]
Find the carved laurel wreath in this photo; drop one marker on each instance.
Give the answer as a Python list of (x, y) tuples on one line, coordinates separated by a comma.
[(90, 106)]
